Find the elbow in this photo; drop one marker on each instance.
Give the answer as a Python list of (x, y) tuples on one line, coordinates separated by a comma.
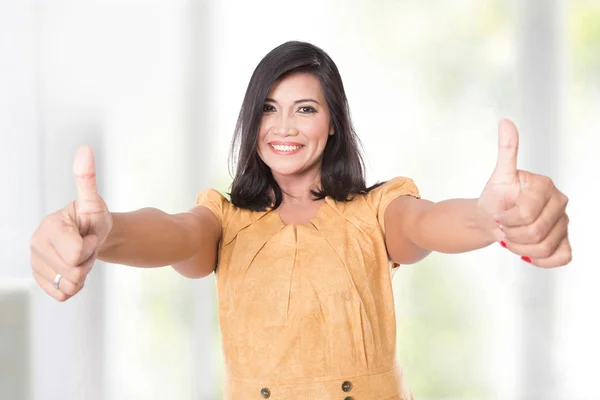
[(417, 257), (410, 256), (192, 269)]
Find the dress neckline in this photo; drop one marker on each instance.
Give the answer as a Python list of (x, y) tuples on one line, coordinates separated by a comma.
[(311, 222)]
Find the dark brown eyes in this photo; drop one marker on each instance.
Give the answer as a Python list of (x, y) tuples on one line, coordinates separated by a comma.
[(307, 110), (303, 109)]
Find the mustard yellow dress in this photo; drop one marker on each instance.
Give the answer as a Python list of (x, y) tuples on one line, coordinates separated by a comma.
[(307, 310)]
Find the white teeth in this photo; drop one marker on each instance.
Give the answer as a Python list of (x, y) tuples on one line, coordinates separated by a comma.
[(284, 147)]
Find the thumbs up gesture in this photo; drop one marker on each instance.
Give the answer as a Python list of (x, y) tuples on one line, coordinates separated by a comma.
[(64, 247), (530, 212)]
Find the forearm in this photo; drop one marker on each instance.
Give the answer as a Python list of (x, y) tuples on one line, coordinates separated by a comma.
[(147, 238), (452, 226)]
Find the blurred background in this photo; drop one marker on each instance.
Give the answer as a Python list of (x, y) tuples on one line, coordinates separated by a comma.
[(155, 87)]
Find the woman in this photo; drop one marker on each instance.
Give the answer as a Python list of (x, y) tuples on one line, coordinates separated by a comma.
[(304, 252)]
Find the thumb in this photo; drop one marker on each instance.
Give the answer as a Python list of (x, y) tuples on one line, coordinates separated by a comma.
[(508, 147), (84, 171)]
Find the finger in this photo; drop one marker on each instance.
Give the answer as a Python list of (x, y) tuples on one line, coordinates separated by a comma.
[(48, 273), (47, 286), (547, 247), (67, 240), (84, 171), (537, 231), (528, 208), (90, 243), (49, 256), (86, 267), (561, 257), (508, 147)]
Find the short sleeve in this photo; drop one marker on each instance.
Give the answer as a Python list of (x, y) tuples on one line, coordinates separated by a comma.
[(215, 202), (380, 197)]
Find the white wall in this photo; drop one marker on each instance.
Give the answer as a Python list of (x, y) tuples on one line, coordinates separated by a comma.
[(126, 78)]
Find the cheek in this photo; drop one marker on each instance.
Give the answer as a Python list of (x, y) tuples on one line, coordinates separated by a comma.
[(318, 132), (262, 145), (262, 132)]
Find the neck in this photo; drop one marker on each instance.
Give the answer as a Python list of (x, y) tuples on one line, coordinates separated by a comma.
[(296, 189)]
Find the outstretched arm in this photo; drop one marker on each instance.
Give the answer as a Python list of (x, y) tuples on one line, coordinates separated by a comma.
[(416, 227), (523, 211), (152, 238)]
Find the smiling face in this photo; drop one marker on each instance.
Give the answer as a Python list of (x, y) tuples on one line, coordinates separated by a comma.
[(295, 126)]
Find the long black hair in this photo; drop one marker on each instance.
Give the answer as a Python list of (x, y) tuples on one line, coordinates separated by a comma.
[(342, 170)]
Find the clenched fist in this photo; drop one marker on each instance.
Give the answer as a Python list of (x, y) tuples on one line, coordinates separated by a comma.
[(530, 210), (64, 246)]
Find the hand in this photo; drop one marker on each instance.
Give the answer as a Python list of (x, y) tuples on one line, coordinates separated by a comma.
[(66, 241), (529, 211)]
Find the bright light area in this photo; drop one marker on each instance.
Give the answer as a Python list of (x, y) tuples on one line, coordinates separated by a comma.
[(155, 87)]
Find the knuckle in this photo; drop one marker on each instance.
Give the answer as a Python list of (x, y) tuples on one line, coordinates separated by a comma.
[(568, 254), (70, 290), (77, 275), (69, 257), (44, 223), (73, 254), (37, 265), (47, 223), (568, 258), (535, 233), (36, 242), (564, 229), (77, 249), (546, 250), (36, 279), (61, 297), (528, 217)]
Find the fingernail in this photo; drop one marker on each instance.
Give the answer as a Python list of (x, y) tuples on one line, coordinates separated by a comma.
[(503, 244), (500, 225), (526, 259)]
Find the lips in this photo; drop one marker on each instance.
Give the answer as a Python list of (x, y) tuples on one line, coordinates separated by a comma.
[(285, 148)]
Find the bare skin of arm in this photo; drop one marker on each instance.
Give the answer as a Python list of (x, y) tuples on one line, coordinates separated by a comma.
[(415, 227), (152, 238)]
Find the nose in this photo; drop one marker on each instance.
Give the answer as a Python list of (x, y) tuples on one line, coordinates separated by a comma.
[(285, 127)]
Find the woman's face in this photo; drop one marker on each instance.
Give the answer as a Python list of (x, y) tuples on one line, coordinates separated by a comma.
[(295, 126)]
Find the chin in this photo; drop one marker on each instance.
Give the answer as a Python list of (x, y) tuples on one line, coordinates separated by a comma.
[(285, 170)]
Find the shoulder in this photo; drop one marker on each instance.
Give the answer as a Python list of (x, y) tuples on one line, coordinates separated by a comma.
[(232, 218), (210, 195), (379, 197), (376, 201), (369, 207), (215, 202)]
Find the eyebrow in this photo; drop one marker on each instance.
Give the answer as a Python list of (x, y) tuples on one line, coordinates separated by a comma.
[(296, 102)]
